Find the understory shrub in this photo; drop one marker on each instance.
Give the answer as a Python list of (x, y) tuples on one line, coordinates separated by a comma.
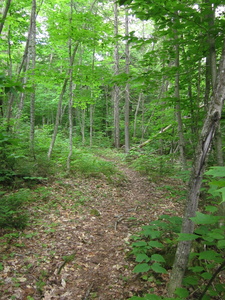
[(12, 210), (87, 164), (151, 164), (154, 251), (155, 246)]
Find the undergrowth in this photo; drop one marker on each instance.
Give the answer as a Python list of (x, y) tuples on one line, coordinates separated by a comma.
[(21, 174), (153, 248)]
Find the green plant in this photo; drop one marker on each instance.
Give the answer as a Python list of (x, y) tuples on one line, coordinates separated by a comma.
[(87, 164), (206, 259), (151, 164), (216, 181), (153, 241), (12, 214)]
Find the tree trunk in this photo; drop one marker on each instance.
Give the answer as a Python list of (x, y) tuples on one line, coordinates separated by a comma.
[(59, 109), (57, 119), (136, 113), (83, 113), (33, 61), (213, 69), (24, 65), (70, 106), (91, 123), (127, 88), (116, 91), (4, 14), (210, 124), (143, 127), (178, 106)]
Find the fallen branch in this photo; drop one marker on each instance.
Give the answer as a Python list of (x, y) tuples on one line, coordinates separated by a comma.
[(148, 141), (88, 292)]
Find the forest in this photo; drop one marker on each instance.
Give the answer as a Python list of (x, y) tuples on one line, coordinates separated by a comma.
[(112, 177)]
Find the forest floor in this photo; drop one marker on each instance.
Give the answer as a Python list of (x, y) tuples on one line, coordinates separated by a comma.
[(77, 243)]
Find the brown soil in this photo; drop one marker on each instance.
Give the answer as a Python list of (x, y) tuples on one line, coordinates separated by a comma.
[(73, 251)]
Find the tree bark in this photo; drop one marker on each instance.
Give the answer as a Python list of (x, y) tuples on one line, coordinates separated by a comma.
[(60, 105), (4, 15), (83, 114), (116, 90), (70, 107), (178, 106), (209, 128), (33, 63), (127, 88), (57, 119), (213, 70), (136, 113)]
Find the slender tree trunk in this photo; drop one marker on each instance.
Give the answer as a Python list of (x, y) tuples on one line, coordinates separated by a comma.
[(4, 15), (213, 70), (70, 107), (59, 109), (178, 106), (91, 124), (83, 113), (143, 128), (209, 128), (127, 88), (116, 91), (70, 112), (57, 118), (24, 65), (136, 113), (9, 53), (33, 62)]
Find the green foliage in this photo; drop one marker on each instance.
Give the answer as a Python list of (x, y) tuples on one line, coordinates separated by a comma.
[(150, 164), (153, 241), (85, 163), (217, 185), (153, 297), (153, 244), (12, 212)]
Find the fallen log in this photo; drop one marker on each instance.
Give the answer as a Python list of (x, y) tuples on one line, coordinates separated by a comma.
[(153, 137)]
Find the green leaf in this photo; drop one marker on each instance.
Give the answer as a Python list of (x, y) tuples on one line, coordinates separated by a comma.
[(149, 231), (158, 257), (141, 268), (221, 244), (191, 280), (206, 297), (181, 292), (216, 171), (142, 257), (187, 237), (216, 234), (206, 275), (155, 244), (209, 255), (196, 269), (217, 183), (211, 208), (204, 218), (222, 191), (139, 244), (1, 267), (151, 297), (156, 267)]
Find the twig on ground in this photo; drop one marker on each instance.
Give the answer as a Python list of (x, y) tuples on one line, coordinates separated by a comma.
[(88, 292), (117, 222)]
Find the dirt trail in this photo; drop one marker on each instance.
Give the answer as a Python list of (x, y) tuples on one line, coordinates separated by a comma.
[(80, 252)]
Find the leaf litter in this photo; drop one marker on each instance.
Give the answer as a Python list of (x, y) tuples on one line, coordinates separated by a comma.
[(78, 242)]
